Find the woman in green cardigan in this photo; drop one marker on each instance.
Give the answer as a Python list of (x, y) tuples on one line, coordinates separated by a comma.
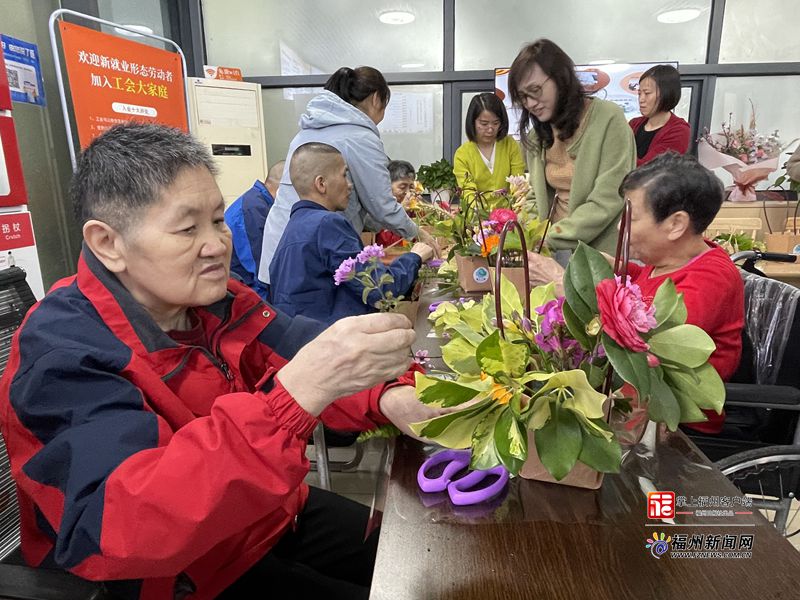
[(578, 149), (491, 154)]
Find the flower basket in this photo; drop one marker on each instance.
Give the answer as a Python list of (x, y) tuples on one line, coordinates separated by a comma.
[(787, 241), (550, 371), (473, 273)]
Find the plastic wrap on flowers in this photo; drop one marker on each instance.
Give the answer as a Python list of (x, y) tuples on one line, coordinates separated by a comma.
[(745, 175)]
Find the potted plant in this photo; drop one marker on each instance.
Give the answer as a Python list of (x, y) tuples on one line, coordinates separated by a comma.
[(438, 179), (535, 375)]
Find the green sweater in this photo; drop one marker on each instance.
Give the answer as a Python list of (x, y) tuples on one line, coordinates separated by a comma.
[(603, 155), (507, 161)]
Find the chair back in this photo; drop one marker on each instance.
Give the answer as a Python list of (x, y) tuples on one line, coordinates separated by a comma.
[(16, 299)]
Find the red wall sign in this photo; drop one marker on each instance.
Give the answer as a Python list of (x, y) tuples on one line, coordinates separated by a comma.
[(12, 183), (5, 91), (113, 80)]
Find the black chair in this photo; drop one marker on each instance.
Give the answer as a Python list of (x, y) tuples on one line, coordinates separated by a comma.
[(17, 581), (763, 397)]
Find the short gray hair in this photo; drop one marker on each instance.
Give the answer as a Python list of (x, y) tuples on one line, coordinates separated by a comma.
[(127, 168), (400, 169)]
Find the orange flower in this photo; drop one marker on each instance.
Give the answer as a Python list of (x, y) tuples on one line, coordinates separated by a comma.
[(489, 244), (501, 394)]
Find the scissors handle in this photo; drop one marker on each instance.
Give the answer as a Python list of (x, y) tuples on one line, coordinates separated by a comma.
[(456, 459), (461, 495)]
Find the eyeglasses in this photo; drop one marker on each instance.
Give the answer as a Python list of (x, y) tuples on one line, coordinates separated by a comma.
[(534, 93)]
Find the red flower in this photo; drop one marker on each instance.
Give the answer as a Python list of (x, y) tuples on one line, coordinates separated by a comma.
[(502, 216), (624, 314)]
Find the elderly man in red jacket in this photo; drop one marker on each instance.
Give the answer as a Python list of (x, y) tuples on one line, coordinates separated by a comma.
[(156, 412)]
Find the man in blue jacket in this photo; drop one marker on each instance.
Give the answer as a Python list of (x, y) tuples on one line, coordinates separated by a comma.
[(246, 218), (318, 238)]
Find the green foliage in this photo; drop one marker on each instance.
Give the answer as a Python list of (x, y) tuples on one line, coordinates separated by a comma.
[(437, 175)]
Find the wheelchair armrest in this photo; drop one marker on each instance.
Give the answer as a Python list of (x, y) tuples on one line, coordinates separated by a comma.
[(27, 583), (750, 395)]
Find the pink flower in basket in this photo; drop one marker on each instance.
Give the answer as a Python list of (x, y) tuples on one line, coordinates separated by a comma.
[(501, 216), (624, 314)]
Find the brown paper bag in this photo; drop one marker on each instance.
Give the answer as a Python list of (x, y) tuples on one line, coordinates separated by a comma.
[(473, 273)]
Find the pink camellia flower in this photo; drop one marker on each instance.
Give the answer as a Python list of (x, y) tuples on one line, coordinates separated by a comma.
[(652, 360), (624, 314), (501, 216)]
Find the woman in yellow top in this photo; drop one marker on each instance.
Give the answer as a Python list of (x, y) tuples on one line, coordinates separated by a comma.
[(491, 154)]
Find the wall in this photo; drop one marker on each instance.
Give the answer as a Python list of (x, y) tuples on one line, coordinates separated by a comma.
[(43, 146)]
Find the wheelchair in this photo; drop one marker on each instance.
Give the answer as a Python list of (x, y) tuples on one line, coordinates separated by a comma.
[(759, 446)]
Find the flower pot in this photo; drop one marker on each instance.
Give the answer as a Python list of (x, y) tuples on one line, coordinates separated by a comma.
[(473, 273), (580, 476)]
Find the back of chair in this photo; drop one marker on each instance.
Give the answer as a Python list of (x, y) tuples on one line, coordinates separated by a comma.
[(16, 299), (772, 323)]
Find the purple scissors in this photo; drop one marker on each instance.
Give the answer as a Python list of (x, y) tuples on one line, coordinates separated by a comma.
[(449, 470)]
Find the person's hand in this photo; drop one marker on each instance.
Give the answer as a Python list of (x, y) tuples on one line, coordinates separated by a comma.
[(353, 354), (424, 251), (427, 238), (401, 406), (542, 270)]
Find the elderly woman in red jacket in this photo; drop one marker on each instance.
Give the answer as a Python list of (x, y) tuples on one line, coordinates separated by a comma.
[(659, 130)]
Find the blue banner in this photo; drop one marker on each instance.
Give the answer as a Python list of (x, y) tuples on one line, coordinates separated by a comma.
[(24, 70)]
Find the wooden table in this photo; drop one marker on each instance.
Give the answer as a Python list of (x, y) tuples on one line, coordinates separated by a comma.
[(543, 541)]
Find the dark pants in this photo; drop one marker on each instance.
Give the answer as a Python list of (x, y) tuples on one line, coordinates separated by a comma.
[(326, 557)]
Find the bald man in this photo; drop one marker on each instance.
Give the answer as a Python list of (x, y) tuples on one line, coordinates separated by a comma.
[(319, 237), (246, 218)]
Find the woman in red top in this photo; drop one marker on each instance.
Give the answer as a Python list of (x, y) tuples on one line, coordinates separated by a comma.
[(659, 130), (673, 200)]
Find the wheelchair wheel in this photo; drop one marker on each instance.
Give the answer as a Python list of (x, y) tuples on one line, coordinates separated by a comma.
[(770, 477)]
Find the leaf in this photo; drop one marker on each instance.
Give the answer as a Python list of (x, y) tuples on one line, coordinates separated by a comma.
[(510, 442), (662, 406), (496, 356), (484, 455), (577, 328), (582, 397), (703, 388), (685, 344), (472, 317), (600, 454), (459, 355), (445, 393), (559, 443), (540, 413), (585, 270), (667, 301), (365, 294), (630, 366), (509, 297), (542, 294), (473, 337), (453, 430)]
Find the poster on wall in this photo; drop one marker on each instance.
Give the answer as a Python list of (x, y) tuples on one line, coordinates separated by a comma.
[(18, 249), (24, 70), (617, 82), (113, 80)]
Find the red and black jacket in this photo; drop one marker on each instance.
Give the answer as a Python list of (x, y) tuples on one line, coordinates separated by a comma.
[(171, 467)]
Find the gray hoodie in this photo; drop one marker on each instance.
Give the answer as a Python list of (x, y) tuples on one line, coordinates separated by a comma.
[(331, 120)]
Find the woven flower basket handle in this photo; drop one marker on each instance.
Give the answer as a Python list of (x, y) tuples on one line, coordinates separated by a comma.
[(623, 242), (498, 307)]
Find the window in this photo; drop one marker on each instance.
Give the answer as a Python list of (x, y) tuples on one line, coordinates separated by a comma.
[(776, 107), (411, 129), (587, 30), (756, 31), (264, 37), (152, 16)]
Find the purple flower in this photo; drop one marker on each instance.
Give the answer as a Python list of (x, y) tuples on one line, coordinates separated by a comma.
[(434, 305), (421, 358), (371, 251), (345, 272), (552, 326), (435, 263)]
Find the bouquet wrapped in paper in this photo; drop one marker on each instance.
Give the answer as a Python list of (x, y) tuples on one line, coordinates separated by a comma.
[(748, 156)]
